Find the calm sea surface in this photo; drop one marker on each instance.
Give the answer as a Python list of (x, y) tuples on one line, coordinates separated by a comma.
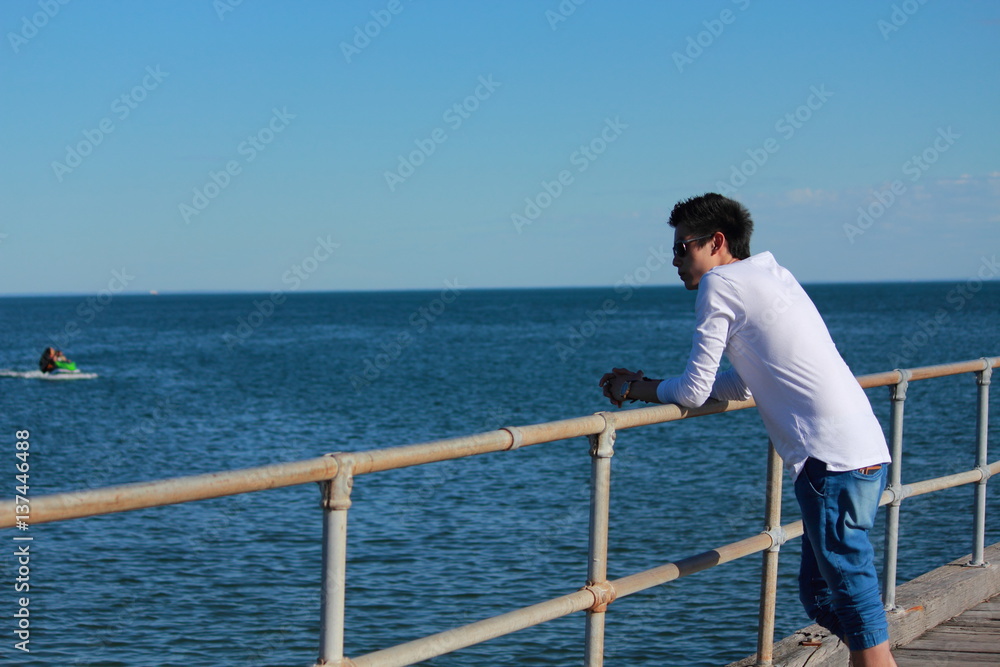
[(200, 383)]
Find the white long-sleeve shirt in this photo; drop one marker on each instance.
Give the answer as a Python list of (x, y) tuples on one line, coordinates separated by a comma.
[(757, 314)]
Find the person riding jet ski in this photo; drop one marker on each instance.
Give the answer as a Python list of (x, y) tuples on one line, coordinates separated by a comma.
[(54, 361)]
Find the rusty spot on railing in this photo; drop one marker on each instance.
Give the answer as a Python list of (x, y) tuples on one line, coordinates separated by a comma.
[(604, 594)]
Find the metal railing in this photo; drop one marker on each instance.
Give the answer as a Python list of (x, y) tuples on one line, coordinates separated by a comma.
[(336, 472)]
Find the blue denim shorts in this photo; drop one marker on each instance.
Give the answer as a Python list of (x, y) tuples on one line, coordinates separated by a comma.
[(838, 584)]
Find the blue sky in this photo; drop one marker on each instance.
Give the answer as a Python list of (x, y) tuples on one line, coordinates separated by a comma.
[(396, 144)]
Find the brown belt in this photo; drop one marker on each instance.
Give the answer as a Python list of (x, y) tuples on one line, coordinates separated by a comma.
[(869, 470)]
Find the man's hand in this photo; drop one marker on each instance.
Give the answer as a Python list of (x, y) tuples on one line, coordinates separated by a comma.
[(613, 381)]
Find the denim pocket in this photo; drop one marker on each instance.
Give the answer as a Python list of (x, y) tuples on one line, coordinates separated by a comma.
[(865, 492), (871, 476), (814, 472)]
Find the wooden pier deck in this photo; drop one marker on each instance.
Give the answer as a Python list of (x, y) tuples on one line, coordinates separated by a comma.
[(971, 638), (948, 617)]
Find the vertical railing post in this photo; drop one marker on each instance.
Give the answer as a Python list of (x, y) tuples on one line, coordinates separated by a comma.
[(769, 567), (897, 397), (601, 451), (982, 430), (336, 501)]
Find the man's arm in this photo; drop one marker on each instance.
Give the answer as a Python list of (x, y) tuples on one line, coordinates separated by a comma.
[(717, 310), (728, 387), (625, 385)]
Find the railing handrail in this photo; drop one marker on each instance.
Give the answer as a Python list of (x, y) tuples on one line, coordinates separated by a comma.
[(467, 635), (141, 495), (335, 472)]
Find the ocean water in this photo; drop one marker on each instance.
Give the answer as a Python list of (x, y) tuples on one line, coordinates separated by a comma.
[(187, 384)]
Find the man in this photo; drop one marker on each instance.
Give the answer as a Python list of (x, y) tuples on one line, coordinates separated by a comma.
[(818, 417)]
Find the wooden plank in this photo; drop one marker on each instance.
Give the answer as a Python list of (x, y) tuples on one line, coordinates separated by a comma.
[(972, 618), (988, 615), (992, 628), (909, 658), (956, 644), (993, 605), (957, 634)]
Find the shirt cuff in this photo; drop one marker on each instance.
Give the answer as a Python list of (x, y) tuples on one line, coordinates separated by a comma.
[(665, 391)]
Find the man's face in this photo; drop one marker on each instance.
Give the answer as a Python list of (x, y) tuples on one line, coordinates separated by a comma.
[(697, 257)]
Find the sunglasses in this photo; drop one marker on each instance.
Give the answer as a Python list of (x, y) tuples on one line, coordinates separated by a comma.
[(681, 249)]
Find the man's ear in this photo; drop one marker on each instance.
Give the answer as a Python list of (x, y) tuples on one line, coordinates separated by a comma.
[(718, 242)]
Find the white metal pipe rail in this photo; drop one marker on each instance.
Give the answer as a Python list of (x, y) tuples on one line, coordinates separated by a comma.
[(336, 472)]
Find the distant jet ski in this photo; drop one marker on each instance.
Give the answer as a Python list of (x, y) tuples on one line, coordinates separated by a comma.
[(52, 366), (54, 362)]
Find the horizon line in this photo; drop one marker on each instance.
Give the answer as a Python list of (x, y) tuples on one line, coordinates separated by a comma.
[(211, 292)]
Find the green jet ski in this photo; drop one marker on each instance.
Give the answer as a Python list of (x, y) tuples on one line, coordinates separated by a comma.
[(54, 362)]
